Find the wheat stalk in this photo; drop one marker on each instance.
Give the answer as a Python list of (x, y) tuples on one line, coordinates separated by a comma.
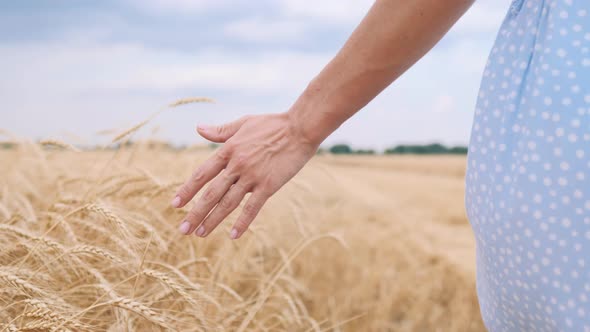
[(179, 102), (65, 226), (130, 130), (64, 145), (110, 216), (97, 229), (172, 284), (140, 309), (191, 100), (22, 233), (49, 317), (24, 286), (9, 328), (95, 251)]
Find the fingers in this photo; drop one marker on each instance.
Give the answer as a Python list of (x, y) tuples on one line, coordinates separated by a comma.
[(230, 201), (210, 198), (249, 212), (200, 177), (221, 133)]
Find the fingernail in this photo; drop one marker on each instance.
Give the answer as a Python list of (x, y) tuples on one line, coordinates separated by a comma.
[(184, 227), (176, 202), (201, 231), (202, 127), (234, 234)]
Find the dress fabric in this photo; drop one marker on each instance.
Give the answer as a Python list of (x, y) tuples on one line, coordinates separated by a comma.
[(527, 183)]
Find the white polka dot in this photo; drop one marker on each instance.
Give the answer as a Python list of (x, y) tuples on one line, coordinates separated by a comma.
[(564, 165), (559, 132)]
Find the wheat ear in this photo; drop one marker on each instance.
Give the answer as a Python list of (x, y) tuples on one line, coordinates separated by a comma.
[(18, 283), (191, 100), (95, 251), (64, 145), (179, 102), (139, 309), (40, 310)]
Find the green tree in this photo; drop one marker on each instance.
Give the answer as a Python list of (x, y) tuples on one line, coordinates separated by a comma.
[(434, 148), (458, 150), (340, 149), (365, 152)]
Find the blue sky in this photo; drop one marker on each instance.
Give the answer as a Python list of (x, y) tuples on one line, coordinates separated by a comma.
[(72, 68)]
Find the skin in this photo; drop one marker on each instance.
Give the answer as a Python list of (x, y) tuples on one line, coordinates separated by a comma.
[(263, 152)]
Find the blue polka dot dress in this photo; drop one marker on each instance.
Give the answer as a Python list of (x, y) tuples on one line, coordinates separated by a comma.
[(528, 171)]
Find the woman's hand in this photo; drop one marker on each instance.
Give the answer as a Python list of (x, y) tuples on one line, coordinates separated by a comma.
[(261, 153)]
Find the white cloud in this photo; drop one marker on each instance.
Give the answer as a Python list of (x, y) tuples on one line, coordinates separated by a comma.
[(443, 103), (266, 31), (181, 6), (328, 11), (483, 17), (85, 87), (82, 67), (261, 73)]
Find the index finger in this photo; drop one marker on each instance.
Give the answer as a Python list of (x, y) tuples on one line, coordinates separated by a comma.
[(203, 174)]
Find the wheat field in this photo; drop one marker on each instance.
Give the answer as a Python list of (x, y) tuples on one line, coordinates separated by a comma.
[(89, 242)]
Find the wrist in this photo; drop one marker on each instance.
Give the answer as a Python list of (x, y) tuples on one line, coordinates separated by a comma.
[(311, 118), (301, 129)]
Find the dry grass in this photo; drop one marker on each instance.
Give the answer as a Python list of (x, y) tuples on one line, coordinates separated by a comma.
[(88, 242)]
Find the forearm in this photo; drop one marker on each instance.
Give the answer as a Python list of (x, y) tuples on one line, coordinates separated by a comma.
[(390, 39)]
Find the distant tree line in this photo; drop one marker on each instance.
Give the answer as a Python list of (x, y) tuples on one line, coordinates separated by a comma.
[(434, 148), (7, 145), (345, 149), (426, 149)]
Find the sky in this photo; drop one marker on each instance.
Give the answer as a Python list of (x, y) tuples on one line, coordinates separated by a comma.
[(71, 69)]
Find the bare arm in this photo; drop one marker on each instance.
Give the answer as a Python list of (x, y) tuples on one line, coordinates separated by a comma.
[(263, 152), (390, 39)]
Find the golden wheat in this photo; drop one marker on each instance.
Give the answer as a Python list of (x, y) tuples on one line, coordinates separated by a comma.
[(88, 242), (141, 310), (49, 318), (140, 125), (130, 131), (9, 327), (53, 142), (191, 100), (95, 252), (110, 216), (19, 284)]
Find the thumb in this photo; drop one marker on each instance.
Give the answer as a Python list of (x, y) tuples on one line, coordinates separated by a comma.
[(221, 133)]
